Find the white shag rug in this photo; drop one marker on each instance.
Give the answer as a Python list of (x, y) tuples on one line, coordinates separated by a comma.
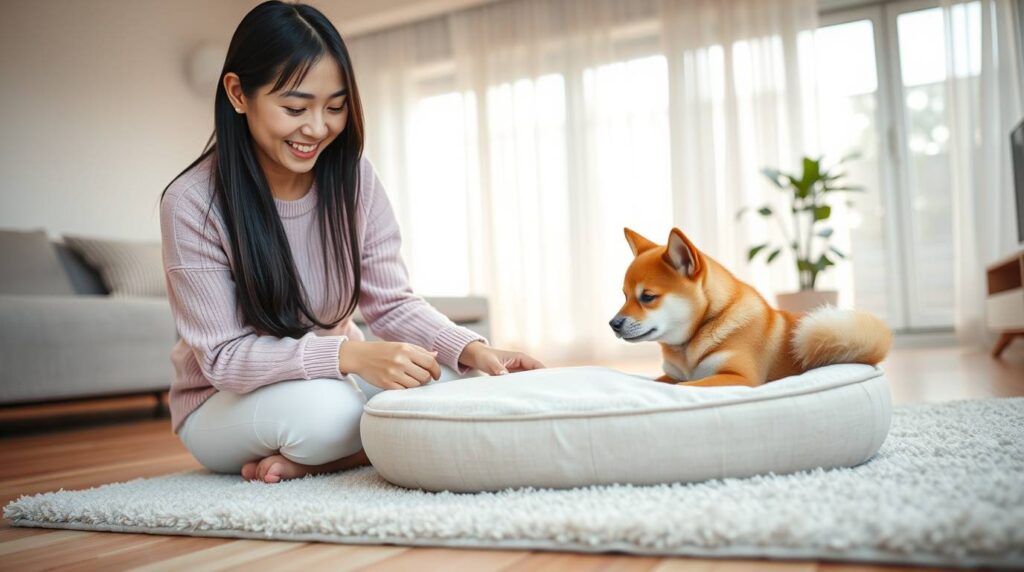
[(947, 488)]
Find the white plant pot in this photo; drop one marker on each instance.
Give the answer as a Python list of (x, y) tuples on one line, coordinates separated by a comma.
[(806, 300)]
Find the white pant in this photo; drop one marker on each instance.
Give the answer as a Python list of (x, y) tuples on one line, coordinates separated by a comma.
[(311, 422)]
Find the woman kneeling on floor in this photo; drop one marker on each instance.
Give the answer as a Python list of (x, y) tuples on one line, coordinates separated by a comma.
[(271, 239)]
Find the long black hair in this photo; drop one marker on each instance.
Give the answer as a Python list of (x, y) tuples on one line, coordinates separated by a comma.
[(278, 43)]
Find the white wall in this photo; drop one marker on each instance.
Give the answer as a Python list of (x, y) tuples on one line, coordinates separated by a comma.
[(96, 112)]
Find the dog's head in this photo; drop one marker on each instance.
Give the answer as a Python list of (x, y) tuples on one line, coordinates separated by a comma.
[(663, 290)]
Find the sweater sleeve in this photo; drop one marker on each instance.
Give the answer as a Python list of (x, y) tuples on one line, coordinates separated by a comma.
[(201, 291), (392, 311)]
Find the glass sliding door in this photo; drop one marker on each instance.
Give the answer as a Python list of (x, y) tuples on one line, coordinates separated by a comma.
[(853, 119), (892, 110), (919, 79)]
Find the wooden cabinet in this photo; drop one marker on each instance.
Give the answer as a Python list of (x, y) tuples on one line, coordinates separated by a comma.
[(1005, 302)]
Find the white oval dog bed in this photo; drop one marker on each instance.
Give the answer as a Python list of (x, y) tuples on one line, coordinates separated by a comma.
[(570, 427)]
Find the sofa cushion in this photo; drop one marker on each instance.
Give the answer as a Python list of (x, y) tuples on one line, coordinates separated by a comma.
[(29, 265), (69, 347), (84, 278), (461, 309), (572, 427), (128, 268)]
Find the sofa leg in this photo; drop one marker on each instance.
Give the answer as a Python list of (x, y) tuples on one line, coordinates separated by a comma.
[(158, 411)]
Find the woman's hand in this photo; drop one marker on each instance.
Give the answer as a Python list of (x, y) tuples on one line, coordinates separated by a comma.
[(493, 361), (389, 365)]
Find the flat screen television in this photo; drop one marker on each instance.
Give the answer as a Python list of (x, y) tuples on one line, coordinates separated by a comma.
[(1017, 150)]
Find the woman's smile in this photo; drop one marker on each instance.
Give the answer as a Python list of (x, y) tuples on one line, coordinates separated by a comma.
[(304, 152)]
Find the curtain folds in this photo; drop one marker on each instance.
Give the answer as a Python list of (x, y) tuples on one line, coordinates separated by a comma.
[(985, 95), (518, 138)]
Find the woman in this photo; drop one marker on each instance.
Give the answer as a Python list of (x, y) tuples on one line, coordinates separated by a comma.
[(271, 238)]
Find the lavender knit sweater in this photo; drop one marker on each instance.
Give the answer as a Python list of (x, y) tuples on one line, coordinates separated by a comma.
[(217, 351)]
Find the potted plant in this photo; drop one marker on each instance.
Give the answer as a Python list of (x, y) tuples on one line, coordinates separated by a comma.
[(805, 229)]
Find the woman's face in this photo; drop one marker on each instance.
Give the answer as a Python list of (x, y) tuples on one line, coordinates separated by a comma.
[(294, 125)]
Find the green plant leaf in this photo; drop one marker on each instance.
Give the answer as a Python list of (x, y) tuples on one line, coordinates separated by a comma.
[(774, 254), (825, 232), (823, 263), (837, 252), (801, 188), (774, 176), (852, 189), (812, 169), (765, 211), (822, 212), (850, 156), (798, 187), (753, 251), (804, 265)]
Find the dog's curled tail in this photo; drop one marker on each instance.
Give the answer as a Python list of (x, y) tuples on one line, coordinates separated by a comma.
[(831, 335)]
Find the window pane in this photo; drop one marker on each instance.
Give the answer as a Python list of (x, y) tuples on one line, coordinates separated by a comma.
[(437, 192), (922, 52), (848, 100), (628, 134), (530, 203)]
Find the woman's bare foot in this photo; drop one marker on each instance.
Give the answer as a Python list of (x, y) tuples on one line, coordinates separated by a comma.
[(277, 467)]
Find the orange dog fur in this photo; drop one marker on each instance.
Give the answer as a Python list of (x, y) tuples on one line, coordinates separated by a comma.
[(715, 329)]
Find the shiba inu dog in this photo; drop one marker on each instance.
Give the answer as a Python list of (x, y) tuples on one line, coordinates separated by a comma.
[(717, 330)]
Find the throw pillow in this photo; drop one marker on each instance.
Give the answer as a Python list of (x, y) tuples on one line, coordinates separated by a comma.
[(128, 268)]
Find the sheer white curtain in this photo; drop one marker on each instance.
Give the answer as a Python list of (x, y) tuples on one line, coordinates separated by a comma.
[(985, 95), (743, 98), (517, 139)]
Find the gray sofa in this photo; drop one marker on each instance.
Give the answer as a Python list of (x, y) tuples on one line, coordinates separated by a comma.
[(72, 340)]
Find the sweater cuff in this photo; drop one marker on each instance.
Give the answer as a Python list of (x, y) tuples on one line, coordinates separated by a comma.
[(449, 344), (320, 357)]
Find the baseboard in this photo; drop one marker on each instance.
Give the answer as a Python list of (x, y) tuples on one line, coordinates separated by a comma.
[(46, 417), (924, 339)]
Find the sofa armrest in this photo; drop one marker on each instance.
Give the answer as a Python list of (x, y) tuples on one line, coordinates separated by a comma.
[(63, 347), (468, 311)]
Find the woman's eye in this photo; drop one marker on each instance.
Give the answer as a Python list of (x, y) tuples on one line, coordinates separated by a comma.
[(338, 109), (647, 298), (293, 111)]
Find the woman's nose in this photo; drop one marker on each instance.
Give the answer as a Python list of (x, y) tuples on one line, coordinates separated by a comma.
[(317, 128)]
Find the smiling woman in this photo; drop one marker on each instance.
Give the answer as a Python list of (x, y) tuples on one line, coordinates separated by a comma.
[(271, 238), (291, 128), (287, 81)]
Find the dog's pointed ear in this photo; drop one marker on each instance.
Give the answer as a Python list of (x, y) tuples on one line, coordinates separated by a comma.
[(637, 243), (682, 255)]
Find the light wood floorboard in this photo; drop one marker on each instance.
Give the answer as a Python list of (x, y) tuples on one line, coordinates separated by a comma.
[(89, 456)]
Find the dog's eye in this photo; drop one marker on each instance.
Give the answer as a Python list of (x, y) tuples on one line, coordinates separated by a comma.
[(647, 298)]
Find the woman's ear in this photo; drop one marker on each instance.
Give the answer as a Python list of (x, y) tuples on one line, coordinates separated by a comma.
[(233, 87)]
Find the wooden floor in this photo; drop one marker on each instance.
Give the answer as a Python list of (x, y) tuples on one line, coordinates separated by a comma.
[(103, 451)]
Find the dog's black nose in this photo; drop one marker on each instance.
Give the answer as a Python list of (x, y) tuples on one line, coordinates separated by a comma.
[(616, 323)]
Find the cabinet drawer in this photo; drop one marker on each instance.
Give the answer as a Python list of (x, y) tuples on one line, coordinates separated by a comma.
[(1006, 310)]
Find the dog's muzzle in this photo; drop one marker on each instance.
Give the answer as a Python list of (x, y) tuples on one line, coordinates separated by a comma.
[(617, 323), (628, 329)]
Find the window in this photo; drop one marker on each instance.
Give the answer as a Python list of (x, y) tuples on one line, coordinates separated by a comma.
[(882, 83), (438, 192)]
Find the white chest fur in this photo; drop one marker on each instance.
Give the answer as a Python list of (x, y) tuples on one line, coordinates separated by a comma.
[(707, 367)]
